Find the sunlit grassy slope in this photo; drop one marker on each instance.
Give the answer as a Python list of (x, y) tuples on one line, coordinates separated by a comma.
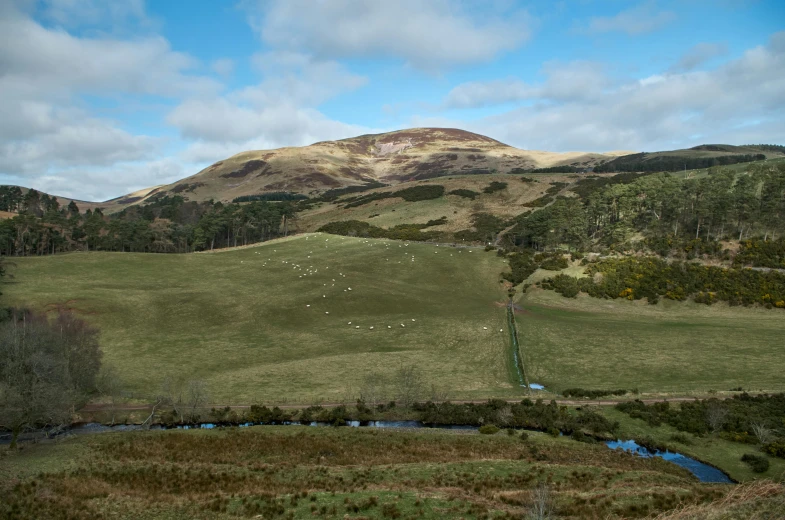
[(669, 347), (240, 320)]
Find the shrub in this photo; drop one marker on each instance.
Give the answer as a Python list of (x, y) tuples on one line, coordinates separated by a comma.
[(681, 439), (510, 432), (524, 436), (758, 463), (494, 186), (467, 194), (553, 431), (775, 449), (488, 429), (591, 394)]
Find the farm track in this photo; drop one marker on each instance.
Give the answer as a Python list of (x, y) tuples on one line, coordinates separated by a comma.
[(565, 402)]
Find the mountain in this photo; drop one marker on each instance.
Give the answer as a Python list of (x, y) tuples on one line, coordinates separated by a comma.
[(389, 158)]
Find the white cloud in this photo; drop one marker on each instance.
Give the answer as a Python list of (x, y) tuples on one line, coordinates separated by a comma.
[(278, 111), (93, 184), (698, 55), (483, 93), (565, 81), (740, 101), (223, 66), (46, 128), (429, 35), (637, 20)]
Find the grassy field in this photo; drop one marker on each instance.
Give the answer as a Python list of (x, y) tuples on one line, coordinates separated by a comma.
[(668, 347), (240, 320), (302, 472)]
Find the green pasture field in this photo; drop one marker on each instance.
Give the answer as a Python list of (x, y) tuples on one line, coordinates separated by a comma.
[(239, 320), (302, 472), (671, 347)]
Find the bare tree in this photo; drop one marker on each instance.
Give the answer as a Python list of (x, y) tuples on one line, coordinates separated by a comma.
[(372, 389), (542, 507), (197, 396), (108, 383), (764, 434), (47, 368), (409, 384), (438, 394), (716, 415), (172, 395)]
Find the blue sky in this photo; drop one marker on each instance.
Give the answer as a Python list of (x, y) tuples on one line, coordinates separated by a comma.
[(101, 98)]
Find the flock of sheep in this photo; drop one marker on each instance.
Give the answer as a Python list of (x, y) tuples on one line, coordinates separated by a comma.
[(312, 271)]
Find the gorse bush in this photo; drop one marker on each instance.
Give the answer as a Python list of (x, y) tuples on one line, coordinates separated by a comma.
[(652, 278)]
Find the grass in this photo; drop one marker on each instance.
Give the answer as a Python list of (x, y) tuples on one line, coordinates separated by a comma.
[(239, 319), (302, 472), (718, 452), (669, 347)]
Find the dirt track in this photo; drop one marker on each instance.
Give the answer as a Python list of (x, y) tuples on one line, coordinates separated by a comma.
[(566, 402)]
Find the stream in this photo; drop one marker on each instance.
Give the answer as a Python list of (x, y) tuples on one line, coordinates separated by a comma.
[(703, 472)]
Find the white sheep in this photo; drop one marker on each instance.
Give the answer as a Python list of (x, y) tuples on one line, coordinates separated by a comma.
[(371, 327)]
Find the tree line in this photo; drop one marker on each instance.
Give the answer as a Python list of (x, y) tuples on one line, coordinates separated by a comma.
[(167, 224), (721, 205), (671, 163)]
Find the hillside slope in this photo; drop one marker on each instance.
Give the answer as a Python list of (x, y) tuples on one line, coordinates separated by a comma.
[(390, 158)]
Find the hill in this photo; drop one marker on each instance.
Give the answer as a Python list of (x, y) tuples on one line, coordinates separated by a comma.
[(389, 158), (702, 156)]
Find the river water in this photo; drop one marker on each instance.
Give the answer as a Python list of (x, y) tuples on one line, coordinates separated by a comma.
[(704, 472)]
